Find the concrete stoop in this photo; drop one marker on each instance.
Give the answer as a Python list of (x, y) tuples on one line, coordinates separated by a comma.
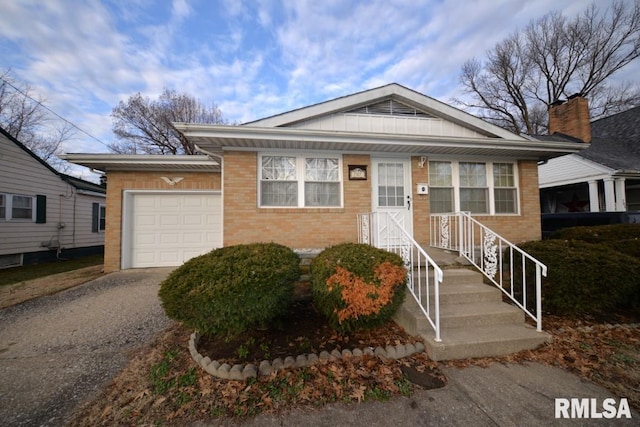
[(474, 321)]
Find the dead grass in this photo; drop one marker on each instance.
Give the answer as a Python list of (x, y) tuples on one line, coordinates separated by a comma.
[(16, 293), (163, 386), (607, 354)]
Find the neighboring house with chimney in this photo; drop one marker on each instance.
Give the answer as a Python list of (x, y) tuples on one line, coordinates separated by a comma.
[(302, 178), (598, 185), (44, 214)]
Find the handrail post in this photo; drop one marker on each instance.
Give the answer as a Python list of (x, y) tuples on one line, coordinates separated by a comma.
[(539, 298)]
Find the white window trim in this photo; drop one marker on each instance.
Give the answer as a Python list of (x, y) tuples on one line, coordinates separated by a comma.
[(8, 208), (300, 165), (455, 183)]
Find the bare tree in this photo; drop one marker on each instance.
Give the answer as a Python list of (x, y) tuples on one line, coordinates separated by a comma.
[(143, 125), (555, 57), (24, 116)]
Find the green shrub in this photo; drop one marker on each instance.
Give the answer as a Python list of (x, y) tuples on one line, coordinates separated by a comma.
[(357, 286), (623, 238), (585, 278), (231, 289)]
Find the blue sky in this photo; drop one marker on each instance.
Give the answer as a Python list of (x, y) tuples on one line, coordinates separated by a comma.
[(251, 58)]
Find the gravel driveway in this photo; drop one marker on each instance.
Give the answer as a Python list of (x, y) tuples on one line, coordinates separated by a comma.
[(59, 350)]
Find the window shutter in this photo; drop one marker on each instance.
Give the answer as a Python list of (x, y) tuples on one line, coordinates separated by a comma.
[(95, 217), (41, 209)]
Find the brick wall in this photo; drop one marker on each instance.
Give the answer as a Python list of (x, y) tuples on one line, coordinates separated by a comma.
[(244, 222), (117, 182), (420, 174)]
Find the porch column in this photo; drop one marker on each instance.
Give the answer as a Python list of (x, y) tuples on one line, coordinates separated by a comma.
[(594, 204), (609, 195), (621, 201)]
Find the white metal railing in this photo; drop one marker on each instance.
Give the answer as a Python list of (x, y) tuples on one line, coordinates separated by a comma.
[(424, 276), (508, 267)]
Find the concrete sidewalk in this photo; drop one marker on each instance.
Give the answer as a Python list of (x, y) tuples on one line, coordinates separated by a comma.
[(500, 395)]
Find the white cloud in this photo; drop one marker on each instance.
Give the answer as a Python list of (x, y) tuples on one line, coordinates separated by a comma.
[(252, 58)]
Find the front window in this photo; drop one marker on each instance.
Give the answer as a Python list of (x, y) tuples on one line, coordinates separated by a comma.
[(322, 182), (441, 183), (3, 206), (473, 187), (300, 181), (477, 187), (505, 192), (278, 182)]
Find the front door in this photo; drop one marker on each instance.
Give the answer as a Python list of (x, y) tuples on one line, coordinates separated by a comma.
[(391, 180)]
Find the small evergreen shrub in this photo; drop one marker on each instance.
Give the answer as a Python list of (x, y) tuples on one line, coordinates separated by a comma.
[(584, 278), (357, 286), (231, 289), (623, 238)]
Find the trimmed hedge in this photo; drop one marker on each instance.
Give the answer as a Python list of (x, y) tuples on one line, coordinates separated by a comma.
[(623, 238), (232, 289), (585, 278), (357, 286)]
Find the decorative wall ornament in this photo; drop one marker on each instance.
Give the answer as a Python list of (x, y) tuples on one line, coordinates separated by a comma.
[(405, 253), (490, 254), (364, 229), (444, 231), (357, 172), (172, 181)]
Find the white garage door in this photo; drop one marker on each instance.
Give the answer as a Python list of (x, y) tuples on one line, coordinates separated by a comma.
[(169, 229)]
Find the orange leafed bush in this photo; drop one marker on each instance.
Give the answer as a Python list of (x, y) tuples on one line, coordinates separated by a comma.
[(363, 298)]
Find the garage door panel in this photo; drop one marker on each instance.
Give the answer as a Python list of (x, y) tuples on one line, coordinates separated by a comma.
[(194, 220), (144, 257), (148, 239), (146, 220), (169, 202), (169, 239), (169, 229), (192, 238)]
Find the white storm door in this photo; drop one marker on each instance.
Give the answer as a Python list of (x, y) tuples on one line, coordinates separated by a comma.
[(391, 180)]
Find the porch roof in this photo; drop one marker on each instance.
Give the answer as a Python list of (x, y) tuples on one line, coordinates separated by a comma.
[(136, 162), (218, 138)]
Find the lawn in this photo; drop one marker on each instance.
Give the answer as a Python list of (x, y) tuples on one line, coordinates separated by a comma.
[(29, 272)]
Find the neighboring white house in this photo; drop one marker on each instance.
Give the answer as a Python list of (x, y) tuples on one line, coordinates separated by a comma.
[(598, 185), (44, 214)]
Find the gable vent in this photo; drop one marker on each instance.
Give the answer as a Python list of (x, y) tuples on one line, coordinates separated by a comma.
[(390, 107)]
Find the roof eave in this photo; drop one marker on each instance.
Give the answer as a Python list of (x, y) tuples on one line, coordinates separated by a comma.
[(216, 138), (123, 162)]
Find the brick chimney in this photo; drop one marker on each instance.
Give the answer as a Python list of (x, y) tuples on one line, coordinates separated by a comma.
[(571, 118)]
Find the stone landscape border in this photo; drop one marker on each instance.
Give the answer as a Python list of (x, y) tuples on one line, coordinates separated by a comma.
[(266, 367)]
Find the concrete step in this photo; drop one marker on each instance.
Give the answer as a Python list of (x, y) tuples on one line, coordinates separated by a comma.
[(483, 341), (467, 293), (452, 316), (474, 320), (479, 314), (458, 276)]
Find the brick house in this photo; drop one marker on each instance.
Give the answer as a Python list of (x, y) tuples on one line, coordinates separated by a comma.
[(301, 178)]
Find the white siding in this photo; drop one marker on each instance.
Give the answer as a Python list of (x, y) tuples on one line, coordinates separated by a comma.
[(569, 169), (389, 124), (21, 174)]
